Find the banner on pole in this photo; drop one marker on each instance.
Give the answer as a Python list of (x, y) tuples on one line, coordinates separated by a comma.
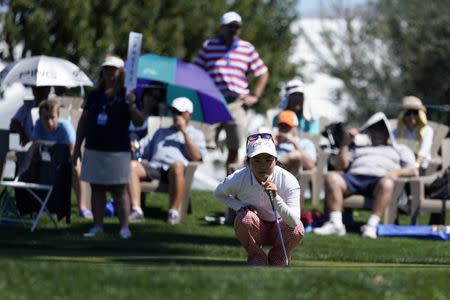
[(134, 51)]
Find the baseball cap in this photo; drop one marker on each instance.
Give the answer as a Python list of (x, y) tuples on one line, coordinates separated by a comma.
[(288, 117), (230, 17), (261, 145), (183, 104), (294, 86), (113, 61)]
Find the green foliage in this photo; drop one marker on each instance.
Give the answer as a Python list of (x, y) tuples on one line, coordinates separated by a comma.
[(392, 49), (84, 31)]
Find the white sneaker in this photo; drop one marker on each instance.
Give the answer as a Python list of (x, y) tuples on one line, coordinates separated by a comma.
[(125, 233), (369, 231), (173, 217), (94, 231), (330, 228)]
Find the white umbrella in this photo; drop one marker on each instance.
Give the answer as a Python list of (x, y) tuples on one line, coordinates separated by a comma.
[(44, 71)]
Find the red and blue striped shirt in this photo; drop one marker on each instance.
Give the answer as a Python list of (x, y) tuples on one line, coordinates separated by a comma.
[(229, 66)]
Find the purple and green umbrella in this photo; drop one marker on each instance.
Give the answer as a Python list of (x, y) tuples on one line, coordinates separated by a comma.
[(187, 80)]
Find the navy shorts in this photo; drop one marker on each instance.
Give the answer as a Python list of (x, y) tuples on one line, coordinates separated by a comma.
[(360, 184)]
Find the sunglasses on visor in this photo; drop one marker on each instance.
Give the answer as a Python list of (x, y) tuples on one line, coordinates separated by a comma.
[(253, 137)]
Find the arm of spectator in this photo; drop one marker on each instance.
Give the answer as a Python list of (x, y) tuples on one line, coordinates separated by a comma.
[(137, 117), (343, 161), (191, 148), (258, 90), (403, 172), (16, 127), (80, 136), (425, 146)]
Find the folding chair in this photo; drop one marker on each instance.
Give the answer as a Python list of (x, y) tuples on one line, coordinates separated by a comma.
[(6, 201)]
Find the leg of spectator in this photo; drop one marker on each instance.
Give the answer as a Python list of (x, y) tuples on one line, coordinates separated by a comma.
[(291, 237), (122, 203), (98, 203), (292, 161), (177, 185), (137, 172), (335, 188), (382, 195), (248, 227), (81, 189)]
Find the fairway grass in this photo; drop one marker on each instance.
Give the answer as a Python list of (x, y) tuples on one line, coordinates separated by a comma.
[(195, 260)]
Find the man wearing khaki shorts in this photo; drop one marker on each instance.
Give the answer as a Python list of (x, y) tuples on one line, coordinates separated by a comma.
[(228, 59)]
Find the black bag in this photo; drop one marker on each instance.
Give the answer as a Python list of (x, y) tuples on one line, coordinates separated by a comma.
[(56, 171), (440, 187)]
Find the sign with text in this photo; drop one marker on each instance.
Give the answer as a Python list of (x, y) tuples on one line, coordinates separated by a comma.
[(134, 51)]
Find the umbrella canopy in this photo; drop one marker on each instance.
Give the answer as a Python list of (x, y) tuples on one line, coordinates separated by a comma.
[(188, 80), (44, 71)]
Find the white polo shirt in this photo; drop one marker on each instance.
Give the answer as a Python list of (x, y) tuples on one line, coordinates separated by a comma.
[(241, 189)]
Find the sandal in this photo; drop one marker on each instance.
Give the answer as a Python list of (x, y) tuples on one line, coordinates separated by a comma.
[(86, 214)]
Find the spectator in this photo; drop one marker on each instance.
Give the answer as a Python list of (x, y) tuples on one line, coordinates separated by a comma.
[(22, 121), (106, 160), (293, 152), (228, 59), (246, 190), (49, 127), (369, 170), (412, 125), (167, 153), (294, 99), (153, 103)]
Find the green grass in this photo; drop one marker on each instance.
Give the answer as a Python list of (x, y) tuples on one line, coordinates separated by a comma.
[(195, 260)]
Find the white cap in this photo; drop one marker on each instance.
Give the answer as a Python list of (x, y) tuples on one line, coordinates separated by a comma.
[(294, 86), (183, 104), (113, 61), (230, 17), (261, 146)]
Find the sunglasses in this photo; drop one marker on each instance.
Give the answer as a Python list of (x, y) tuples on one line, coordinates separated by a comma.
[(411, 112), (254, 137)]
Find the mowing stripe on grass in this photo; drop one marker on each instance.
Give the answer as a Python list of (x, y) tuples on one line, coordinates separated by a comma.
[(210, 261)]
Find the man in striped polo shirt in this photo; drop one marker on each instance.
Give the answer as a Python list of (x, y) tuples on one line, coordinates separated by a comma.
[(228, 59)]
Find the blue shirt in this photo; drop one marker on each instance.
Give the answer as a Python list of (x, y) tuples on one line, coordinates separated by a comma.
[(167, 146), (64, 133)]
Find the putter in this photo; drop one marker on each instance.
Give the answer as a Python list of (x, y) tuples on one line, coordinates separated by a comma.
[(278, 228)]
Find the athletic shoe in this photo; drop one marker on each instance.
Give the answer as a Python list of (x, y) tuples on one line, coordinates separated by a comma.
[(173, 217), (136, 216), (330, 228), (125, 233), (94, 231), (369, 231)]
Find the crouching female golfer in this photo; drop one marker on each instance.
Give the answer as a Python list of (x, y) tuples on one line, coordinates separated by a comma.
[(250, 190)]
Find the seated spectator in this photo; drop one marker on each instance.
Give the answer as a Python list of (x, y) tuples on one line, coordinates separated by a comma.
[(246, 192), (294, 99), (153, 103), (412, 125), (49, 127), (22, 121), (369, 170), (168, 151), (293, 152)]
